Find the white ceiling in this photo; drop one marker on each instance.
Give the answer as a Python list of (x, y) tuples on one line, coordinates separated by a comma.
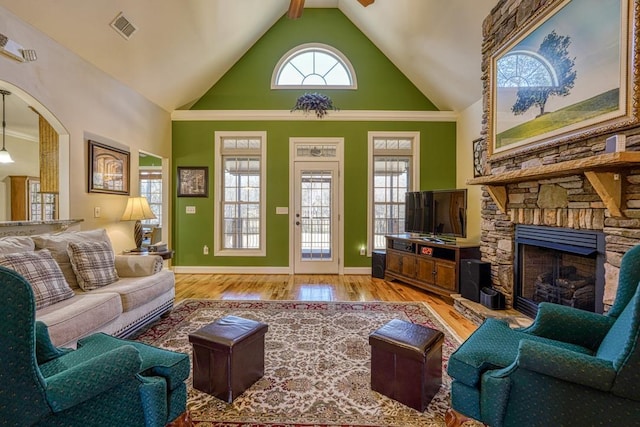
[(182, 47)]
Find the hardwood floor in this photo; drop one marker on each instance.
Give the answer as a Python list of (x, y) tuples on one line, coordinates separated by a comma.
[(314, 288)]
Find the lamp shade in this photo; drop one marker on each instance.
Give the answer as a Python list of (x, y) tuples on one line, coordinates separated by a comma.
[(137, 209), (5, 157)]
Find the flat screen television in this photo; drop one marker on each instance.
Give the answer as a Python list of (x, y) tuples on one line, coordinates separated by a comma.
[(417, 212), (436, 213), (449, 209)]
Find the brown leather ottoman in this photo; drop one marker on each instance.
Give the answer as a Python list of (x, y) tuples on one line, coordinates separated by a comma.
[(228, 356), (406, 362)]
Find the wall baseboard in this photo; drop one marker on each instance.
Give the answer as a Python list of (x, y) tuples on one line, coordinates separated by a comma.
[(255, 270), (230, 270), (357, 270)]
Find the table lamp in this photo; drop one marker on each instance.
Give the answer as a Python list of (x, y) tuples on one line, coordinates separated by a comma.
[(137, 209)]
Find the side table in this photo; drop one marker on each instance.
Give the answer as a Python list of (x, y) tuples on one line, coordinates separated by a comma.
[(168, 254)]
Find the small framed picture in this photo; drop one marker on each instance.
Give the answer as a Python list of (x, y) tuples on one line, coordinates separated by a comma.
[(108, 169), (193, 181), (478, 157)]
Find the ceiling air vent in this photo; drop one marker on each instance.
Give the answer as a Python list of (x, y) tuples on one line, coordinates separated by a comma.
[(123, 26)]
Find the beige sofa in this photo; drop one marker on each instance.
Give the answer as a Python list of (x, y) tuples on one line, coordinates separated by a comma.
[(143, 290)]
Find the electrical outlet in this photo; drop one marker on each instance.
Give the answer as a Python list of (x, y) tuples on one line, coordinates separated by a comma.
[(191, 209), (363, 251), (96, 212), (205, 250)]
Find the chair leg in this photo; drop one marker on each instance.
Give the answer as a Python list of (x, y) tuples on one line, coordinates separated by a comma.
[(453, 418), (184, 420)]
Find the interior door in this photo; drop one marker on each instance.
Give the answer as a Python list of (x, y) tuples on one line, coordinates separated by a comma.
[(316, 218)]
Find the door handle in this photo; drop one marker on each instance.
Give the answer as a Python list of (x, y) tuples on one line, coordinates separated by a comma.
[(297, 222)]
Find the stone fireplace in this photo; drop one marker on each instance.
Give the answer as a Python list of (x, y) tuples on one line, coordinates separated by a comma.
[(571, 184)]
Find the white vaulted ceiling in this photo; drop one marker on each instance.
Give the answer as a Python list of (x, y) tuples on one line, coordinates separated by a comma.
[(182, 47)]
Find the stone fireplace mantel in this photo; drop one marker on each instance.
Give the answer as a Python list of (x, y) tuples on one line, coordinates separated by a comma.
[(572, 182), (603, 172)]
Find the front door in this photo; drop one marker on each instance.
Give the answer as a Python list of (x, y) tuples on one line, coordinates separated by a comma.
[(316, 217)]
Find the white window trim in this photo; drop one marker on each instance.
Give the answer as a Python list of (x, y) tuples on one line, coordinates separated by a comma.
[(218, 250), (415, 176), (310, 46)]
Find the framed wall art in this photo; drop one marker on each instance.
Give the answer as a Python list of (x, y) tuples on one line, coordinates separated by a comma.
[(478, 157), (567, 75), (193, 181), (108, 169)]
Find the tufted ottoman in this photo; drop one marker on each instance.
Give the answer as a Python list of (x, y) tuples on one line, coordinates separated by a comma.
[(406, 362), (228, 356)]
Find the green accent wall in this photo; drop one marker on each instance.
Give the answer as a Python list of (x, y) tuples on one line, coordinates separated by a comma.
[(247, 85), (149, 160), (381, 86)]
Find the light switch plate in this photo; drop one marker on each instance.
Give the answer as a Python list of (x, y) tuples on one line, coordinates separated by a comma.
[(191, 209), (282, 210)]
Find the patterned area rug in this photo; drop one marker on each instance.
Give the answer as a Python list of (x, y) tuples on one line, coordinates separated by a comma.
[(316, 363)]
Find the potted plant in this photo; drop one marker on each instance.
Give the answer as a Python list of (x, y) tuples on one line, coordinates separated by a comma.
[(315, 102)]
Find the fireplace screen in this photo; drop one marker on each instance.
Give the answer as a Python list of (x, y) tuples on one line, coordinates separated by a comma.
[(558, 265), (554, 276)]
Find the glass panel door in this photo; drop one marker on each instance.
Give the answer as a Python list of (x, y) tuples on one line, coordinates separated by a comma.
[(316, 217)]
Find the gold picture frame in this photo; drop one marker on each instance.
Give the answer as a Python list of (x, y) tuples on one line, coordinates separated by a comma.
[(571, 73), (109, 169)]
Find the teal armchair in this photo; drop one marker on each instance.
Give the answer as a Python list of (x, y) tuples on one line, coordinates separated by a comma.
[(569, 368), (104, 382)]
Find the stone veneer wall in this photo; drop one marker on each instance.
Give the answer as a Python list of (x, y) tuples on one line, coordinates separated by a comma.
[(563, 202)]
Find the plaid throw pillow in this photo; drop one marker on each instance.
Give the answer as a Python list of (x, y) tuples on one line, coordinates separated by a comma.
[(43, 273), (93, 263)]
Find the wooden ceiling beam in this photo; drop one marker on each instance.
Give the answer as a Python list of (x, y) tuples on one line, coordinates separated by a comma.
[(295, 9)]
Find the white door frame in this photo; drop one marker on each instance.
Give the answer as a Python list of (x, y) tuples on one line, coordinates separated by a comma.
[(338, 142)]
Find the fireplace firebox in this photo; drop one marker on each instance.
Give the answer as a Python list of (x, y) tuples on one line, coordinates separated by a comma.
[(559, 265)]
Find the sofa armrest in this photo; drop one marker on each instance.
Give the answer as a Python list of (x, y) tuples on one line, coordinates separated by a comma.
[(93, 377), (138, 265), (566, 365), (570, 325)]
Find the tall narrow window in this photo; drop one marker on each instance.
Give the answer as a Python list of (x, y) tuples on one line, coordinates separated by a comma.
[(151, 188), (240, 207), (314, 66), (393, 170)]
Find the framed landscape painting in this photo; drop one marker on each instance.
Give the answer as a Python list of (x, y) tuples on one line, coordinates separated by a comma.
[(567, 75)]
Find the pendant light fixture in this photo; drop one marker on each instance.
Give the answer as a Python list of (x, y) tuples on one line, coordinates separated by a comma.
[(5, 157)]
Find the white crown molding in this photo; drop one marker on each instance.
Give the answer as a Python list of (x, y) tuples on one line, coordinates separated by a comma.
[(341, 115), (21, 135)]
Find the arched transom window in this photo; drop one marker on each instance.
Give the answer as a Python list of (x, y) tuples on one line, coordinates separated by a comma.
[(312, 66), (525, 69)]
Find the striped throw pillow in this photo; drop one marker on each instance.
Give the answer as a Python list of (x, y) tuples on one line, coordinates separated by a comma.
[(43, 273), (93, 263)]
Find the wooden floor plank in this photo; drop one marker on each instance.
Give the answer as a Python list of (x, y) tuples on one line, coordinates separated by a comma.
[(282, 287)]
